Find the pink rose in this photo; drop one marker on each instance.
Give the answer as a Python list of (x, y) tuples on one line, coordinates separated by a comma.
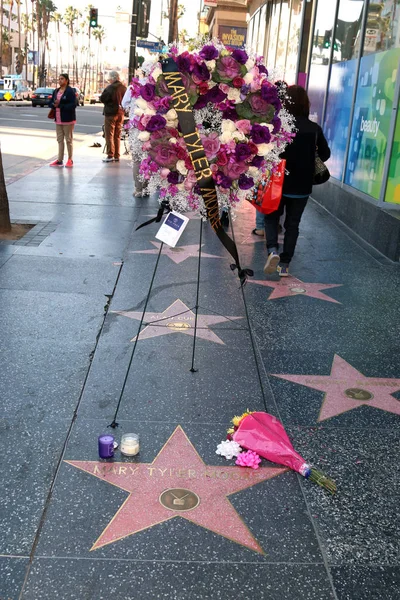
[(145, 120), (164, 173), (234, 169), (211, 145), (190, 181), (224, 87), (146, 146), (244, 126), (165, 155), (222, 159)]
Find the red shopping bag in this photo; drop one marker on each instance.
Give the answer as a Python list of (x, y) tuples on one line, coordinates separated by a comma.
[(267, 196)]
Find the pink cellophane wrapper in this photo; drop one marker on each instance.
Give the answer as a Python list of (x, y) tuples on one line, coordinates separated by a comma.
[(264, 434)]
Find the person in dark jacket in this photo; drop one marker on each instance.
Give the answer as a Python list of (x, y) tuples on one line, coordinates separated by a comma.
[(64, 104), (297, 185), (113, 116)]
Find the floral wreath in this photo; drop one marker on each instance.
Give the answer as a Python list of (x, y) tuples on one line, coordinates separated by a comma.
[(239, 116)]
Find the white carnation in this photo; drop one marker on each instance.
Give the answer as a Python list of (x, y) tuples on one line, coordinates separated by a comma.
[(140, 103), (253, 172), (138, 112), (227, 125), (226, 137), (144, 136), (250, 63), (264, 149), (234, 95), (173, 140), (180, 167), (210, 64), (248, 78), (150, 111), (171, 115)]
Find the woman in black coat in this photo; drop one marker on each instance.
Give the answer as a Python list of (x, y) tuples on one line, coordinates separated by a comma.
[(64, 103), (297, 185)]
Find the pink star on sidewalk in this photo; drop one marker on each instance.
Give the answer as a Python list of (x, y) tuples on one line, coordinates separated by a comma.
[(291, 286), (178, 254), (177, 318), (346, 388)]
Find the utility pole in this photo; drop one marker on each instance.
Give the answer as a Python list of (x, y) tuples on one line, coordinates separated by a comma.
[(173, 21), (132, 49)]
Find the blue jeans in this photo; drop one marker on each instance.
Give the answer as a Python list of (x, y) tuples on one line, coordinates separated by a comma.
[(294, 210), (259, 220)]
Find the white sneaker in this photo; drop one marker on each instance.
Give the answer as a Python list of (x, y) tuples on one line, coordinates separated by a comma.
[(108, 159), (272, 263)]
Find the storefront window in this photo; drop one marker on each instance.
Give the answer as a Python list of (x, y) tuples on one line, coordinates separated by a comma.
[(383, 26), (321, 50), (293, 41), (256, 21), (261, 32), (282, 40), (273, 32), (348, 30)]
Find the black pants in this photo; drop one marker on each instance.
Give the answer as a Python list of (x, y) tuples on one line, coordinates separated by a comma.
[(294, 210)]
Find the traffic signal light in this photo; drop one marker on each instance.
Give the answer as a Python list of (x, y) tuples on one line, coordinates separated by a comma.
[(18, 65), (93, 17), (144, 7), (327, 38)]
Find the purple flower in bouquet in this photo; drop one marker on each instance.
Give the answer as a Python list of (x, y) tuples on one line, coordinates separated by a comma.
[(230, 114), (260, 134), (262, 69), (259, 106), (224, 181), (201, 72), (211, 145), (245, 183), (228, 67), (240, 55), (165, 154), (208, 52), (216, 95), (202, 102), (183, 63), (156, 123), (148, 92), (162, 105), (277, 123), (234, 169), (257, 161), (269, 92), (242, 152), (173, 177)]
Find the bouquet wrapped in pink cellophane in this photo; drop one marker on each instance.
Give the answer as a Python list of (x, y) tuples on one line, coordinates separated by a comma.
[(264, 434)]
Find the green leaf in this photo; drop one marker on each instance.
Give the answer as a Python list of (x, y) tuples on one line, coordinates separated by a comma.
[(244, 110)]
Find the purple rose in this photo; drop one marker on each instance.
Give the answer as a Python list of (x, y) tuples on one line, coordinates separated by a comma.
[(148, 92), (245, 183), (240, 55), (183, 63), (277, 123), (260, 134), (242, 152), (259, 106), (208, 53), (201, 72), (230, 114), (262, 69), (257, 161), (155, 123), (228, 67), (173, 177)]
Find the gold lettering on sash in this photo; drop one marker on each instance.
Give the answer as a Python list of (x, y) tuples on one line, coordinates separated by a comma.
[(211, 201)]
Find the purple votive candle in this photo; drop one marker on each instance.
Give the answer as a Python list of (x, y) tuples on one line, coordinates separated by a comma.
[(106, 446)]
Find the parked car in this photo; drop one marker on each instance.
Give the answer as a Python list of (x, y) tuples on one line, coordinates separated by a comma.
[(42, 96), (80, 97), (95, 98)]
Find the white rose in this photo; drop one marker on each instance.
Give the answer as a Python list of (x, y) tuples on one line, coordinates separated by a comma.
[(180, 186), (211, 84), (250, 63), (171, 115), (144, 136), (248, 78), (138, 112), (150, 111), (238, 136), (156, 73), (228, 125), (180, 166), (140, 103), (210, 64), (253, 171), (173, 140), (234, 95), (263, 149), (270, 126), (226, 137)]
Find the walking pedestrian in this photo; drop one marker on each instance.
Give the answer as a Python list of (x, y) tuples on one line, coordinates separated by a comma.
[(113, 116), (64, 104), (297, 185)]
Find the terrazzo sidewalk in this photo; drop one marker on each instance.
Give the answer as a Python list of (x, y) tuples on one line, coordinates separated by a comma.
[(178, 521)]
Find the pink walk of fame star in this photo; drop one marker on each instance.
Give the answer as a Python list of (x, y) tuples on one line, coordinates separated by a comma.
[(177, 484), (178, 254), (346, 388), (177, 318), (291, 286)]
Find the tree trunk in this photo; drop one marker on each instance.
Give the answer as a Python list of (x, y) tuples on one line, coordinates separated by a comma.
[(1, 37), (5, 223), (173, 21)]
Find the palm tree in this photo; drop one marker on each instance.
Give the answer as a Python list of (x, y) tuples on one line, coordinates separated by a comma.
[(26, 27), (70, 16), (56, 18), (99, 34)]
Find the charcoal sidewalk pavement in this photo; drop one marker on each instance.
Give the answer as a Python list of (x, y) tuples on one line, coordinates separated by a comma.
[(327, 345)]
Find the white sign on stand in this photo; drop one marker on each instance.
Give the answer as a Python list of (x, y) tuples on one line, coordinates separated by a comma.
[(172, 228)]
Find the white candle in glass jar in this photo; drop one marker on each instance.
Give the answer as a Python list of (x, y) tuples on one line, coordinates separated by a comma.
[(130, 444)]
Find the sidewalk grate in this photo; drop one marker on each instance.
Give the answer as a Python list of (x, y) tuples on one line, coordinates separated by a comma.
[(35, 236)]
